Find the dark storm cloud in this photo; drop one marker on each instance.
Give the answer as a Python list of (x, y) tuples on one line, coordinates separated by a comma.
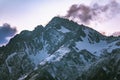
[(95, 12), (6, 31)]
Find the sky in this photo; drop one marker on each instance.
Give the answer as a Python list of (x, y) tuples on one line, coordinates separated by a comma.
[(18, 15)]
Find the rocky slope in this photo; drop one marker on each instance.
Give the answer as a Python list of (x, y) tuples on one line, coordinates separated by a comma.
[(62, 50)]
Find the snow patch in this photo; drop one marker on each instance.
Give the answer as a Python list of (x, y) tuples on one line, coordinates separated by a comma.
[(64, 30), (39, 56), (23, 77), (80, 45), (112, 46), (57, 56)]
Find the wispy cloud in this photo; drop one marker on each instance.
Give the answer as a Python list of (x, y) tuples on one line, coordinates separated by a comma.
[(96, 12)]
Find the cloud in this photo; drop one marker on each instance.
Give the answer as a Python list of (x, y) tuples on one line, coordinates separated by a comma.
[(96, 12), (6, 31)]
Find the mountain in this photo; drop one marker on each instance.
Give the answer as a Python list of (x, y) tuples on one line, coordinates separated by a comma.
[(116, 34), (62, 50)]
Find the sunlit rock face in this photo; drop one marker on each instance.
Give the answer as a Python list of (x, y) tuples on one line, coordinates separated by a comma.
[(62, 50)]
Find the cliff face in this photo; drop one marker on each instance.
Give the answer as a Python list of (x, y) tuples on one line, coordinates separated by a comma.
[(62, 50)]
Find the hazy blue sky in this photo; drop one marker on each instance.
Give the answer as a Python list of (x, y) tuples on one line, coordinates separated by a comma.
[(27, 14)]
